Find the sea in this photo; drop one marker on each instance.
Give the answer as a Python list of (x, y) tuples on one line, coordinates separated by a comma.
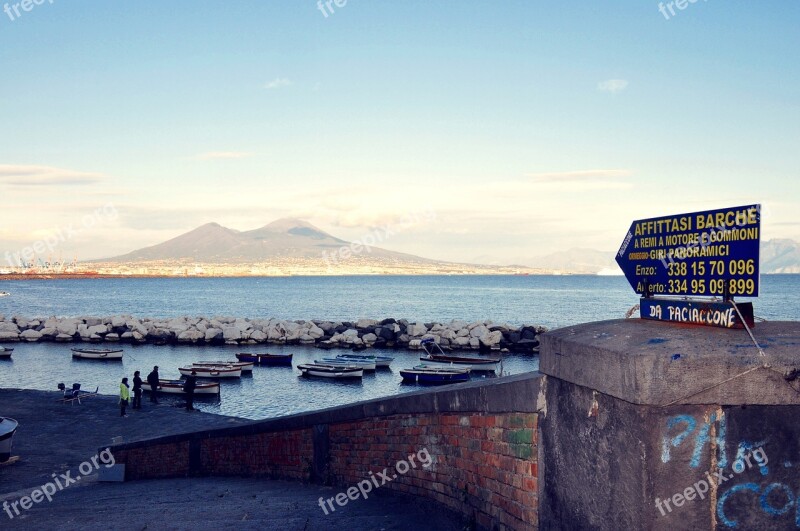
[(551, 301)]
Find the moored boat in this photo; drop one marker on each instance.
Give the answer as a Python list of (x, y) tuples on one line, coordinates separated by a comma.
[(476, 364), (266, 359), (212, 372), (435, 375), (7, 429), (380, 361), (5, 353), (176, 387), (246, 366), (339, 362), (97, 354), (330, 371), (4, 294)]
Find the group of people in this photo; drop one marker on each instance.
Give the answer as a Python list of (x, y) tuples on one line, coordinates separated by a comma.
[(153, 381)]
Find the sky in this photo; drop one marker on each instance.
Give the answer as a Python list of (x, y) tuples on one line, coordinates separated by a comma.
[(483, 132)]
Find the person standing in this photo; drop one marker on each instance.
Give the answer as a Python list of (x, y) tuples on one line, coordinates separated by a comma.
[(152, 379), (188, 388), (124, 396), (137, 391)]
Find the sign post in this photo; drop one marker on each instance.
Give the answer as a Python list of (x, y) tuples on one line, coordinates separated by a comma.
[(715, 253)]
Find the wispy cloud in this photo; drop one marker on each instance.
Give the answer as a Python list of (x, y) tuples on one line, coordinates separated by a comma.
[(216, 155), (28, 175), (278, 82), (579, 176), (613, 85)]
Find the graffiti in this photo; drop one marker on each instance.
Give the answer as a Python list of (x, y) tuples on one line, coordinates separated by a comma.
[(775, 499), (700, 435)]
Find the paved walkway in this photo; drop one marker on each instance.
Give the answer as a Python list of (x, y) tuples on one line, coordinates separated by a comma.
[(56, 439)]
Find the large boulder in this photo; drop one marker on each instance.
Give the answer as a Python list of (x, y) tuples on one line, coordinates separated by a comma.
[(369, 338), (417, 330), (9, 327), (258, 336), (231, 333), (100, 329), (68, 327), (30, 336), (478, 331), (9, 336), (189, 336), (491, 339), (213, 334)]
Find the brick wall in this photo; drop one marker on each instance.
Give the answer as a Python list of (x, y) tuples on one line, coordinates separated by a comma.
[(483, 466), (481, 439)]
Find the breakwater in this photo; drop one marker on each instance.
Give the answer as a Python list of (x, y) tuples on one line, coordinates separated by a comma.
[(363, 333)]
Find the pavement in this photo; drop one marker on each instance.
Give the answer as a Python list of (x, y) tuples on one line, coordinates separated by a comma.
[(56, 439)]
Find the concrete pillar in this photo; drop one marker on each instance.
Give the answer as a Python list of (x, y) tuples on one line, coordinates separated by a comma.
[(644, 419)]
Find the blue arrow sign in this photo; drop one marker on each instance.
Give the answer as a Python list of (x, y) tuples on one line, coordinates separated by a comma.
[(709, 254)]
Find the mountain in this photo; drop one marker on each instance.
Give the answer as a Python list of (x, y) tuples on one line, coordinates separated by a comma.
[(780, 256), (286, 238)]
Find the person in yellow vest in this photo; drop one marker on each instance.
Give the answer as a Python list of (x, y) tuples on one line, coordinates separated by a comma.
[(124, 396)]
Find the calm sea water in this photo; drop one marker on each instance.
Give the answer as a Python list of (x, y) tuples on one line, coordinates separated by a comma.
[(553, 301)]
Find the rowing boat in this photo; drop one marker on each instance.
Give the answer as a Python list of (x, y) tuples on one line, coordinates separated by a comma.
[(212, 372), (266, 359), (247, 366), (97, 354), (5, 353), (339, 362), (7, 429), (330, 371), (380, 361), (435, 375), (176, 387), (476, 364)]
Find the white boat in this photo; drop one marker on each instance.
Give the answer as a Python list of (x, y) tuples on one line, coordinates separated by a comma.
[(5, 353), (212, 372), (246, 366), (339, 362), (175, 387), (4, 294), (475, 364), (7, 429), (330, 371), (380, 361), (97, 354)]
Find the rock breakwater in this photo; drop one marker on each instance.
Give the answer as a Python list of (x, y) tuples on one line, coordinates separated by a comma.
[(363, 333)]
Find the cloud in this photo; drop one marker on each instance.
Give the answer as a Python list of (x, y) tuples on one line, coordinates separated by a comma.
[(216, 155), (278, 82), (613, 85), (25, 175), (579, 176)]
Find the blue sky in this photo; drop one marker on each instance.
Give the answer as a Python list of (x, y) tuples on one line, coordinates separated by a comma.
[(527, 127)]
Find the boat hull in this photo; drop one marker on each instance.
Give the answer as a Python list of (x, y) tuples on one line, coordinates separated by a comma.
[(7, 429), (106, 355), (246, 366), (338, 362), (475, 364), (212, 372), (175, 387), (380, 361), (330, 371), (434, 376), (268, 360)]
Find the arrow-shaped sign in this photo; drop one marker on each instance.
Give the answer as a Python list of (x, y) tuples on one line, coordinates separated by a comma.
[(713, 253)]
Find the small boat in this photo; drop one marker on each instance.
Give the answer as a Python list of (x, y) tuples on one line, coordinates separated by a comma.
[(330, 371), (476, 364), (175, 387), (4, 294), (435, 375), (443, 360), (339, 362), (5, 353), (247, 366), (7, 429), (97, 354), (212, 372), (266, 359), (380, 361)]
